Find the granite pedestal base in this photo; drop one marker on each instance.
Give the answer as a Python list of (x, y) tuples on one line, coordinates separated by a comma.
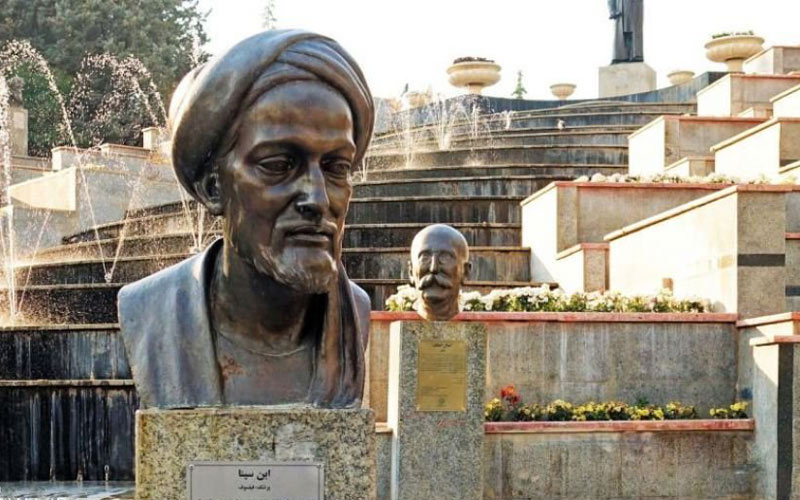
[(626, 78), (437, 379), (343, 440)]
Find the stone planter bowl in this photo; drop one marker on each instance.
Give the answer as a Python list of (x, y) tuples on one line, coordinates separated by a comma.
[(733, 50), (562, 90), (474, 75), (680, 76)]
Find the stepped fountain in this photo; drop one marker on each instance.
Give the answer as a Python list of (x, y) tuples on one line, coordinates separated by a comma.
[(500, 171)]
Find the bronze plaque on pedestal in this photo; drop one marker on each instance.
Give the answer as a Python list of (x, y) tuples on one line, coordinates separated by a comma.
[(442, 375)]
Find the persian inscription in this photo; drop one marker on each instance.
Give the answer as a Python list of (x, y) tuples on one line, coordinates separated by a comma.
[(442, 375), (255, 481)]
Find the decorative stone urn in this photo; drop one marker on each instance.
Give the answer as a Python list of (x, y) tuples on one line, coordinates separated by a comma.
[(562, 90), (680, 76), (733, 50), (474, 73)]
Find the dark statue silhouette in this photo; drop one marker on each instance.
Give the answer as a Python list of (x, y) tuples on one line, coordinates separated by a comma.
[(628, 30)]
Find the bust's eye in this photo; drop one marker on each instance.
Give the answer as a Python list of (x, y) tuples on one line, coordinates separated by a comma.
[(337, 167), (277, 165)]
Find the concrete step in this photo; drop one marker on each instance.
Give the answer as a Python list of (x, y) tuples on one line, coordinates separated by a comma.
[(372, 210), (356, 236), (456, 186), (437, 134), (65, 304), (549, 172), (162, 224), (608, 155), (508, 138), (427, 209), (574, 116), (401, 234), (489, 264), (569, 120), (97, 303)]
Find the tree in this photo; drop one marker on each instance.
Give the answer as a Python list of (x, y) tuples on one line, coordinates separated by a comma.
[(519, 90), (270, 17), (162, 34)]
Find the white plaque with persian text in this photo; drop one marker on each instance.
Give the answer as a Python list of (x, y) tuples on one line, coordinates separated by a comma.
[(255, 481)]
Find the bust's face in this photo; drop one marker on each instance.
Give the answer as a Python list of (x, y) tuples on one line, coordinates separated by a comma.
[(438, 268), (285, 186)]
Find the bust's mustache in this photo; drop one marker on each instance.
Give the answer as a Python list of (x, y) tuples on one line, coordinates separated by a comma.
[(435, 279)]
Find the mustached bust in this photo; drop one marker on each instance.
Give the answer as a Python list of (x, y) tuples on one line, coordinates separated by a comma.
[(438, 267), (266, 136)]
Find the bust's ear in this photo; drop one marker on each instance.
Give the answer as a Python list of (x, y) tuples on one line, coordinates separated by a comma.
[(467, 271), (208, 191), (410, 273)]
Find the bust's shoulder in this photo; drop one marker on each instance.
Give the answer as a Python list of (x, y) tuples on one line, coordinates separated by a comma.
[(363, 306), (154, 288), (361, 299)]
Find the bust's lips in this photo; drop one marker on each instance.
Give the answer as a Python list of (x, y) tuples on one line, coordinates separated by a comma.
[(318, 234)]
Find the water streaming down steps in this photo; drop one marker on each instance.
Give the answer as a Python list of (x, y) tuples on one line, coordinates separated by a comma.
[(66, 400)]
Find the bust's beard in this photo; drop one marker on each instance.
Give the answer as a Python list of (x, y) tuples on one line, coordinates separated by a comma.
[(316, 279)]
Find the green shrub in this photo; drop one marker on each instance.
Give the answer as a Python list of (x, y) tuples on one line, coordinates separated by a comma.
[(493, 411), (530, 413), (736, 410), (677, 411), (558, 411)]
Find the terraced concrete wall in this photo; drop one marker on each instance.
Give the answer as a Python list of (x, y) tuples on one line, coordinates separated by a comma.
[(620, 466), (728, 247), (583, 356), (568, 213), (788, 105)]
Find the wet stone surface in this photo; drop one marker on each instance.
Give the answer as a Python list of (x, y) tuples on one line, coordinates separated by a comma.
[(87, 490)]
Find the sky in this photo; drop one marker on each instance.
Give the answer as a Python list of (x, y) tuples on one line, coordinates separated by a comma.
[(550, 41)]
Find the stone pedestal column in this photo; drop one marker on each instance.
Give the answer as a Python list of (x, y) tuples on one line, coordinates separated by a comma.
[(437, 378), (342, 441), (625, 79)]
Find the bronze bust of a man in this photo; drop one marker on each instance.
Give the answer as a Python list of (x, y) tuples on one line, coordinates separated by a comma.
[(438, 267), (266, 136)]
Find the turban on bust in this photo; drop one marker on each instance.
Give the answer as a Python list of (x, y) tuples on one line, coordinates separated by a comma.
[(210, 98)]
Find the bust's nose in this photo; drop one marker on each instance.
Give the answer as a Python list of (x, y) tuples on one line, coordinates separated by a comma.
[(434, 268), (312, 200)]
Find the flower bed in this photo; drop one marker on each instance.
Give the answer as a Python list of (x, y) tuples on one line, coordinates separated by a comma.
[(542, 299), (714, 178), (509, 408)]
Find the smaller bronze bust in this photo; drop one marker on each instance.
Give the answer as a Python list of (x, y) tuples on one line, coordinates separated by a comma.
[(15, 86), (438, 267)]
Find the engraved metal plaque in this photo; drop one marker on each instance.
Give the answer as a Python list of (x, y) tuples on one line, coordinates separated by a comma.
[(442, 375), (255, 480)]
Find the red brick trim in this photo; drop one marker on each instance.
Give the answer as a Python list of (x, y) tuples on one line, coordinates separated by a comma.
[(618, 426)]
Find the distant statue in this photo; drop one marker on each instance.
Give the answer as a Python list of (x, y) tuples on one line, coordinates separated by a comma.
[(265, 136), (628, 35), (15, 85), (438, 267)]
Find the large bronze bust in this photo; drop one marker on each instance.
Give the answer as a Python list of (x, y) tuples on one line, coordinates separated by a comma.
[(266, 136)]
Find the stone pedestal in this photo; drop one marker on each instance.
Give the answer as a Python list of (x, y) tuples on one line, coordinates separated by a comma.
[(626, 78), (437, 378), (19, 131), (342, 440)]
